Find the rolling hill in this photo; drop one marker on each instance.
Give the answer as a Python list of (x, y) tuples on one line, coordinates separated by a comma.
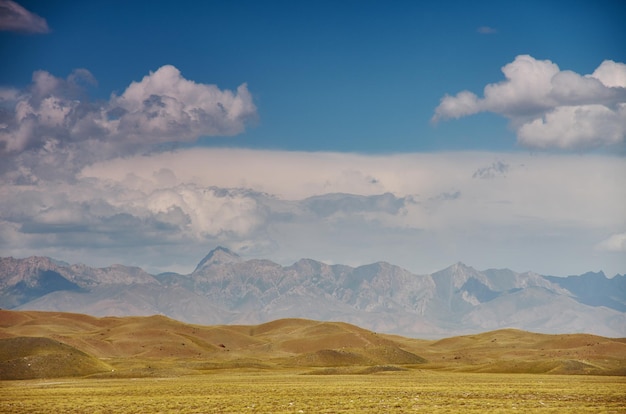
[(54, 344)]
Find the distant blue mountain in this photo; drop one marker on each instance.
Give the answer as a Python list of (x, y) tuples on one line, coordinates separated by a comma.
[(227, 289), (595, 289)]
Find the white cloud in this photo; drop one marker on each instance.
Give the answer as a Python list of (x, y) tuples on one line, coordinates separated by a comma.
[(615, 243), (15, 18), (582, 126), (551, 108), (166, 105), (612, 74), (52, 123), (463, 104)]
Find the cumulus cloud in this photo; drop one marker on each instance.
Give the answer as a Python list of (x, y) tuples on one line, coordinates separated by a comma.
[(549, 107), (164, 104), (44, 114), (53, 122), (582, 126), (15, 18)]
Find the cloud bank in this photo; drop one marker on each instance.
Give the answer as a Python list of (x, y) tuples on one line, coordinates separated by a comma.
[(15, 18), (549, 107), (422, 211)]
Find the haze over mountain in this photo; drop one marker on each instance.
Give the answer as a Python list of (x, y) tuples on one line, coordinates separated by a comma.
[(226, 289)]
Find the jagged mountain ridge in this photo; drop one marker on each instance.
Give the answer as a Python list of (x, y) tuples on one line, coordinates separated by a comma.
[(224, 288)]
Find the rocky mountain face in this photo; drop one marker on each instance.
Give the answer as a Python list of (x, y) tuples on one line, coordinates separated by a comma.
[(225, 289)]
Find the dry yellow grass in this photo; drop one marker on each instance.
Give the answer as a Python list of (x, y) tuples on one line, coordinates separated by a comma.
[(287, 391)]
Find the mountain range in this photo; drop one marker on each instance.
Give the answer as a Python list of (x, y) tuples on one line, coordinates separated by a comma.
[(226, 289)]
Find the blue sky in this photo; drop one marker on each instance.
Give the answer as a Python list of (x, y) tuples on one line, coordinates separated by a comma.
[(342, 99), (338, 75)]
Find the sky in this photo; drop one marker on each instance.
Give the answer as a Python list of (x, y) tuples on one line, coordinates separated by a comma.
[(418, 133)]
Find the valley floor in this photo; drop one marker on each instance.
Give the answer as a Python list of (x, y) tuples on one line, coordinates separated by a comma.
[(294, 391)]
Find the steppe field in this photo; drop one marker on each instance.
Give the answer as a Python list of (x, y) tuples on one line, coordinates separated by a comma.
[(52, 362), (292, 392)]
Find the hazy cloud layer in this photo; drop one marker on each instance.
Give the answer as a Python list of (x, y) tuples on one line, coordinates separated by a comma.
[(53, 123), (549, 107), (15, 18), (422, 211)]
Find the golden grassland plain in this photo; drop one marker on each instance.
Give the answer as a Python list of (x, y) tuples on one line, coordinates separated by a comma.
[(53, 362), (291, 391)]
